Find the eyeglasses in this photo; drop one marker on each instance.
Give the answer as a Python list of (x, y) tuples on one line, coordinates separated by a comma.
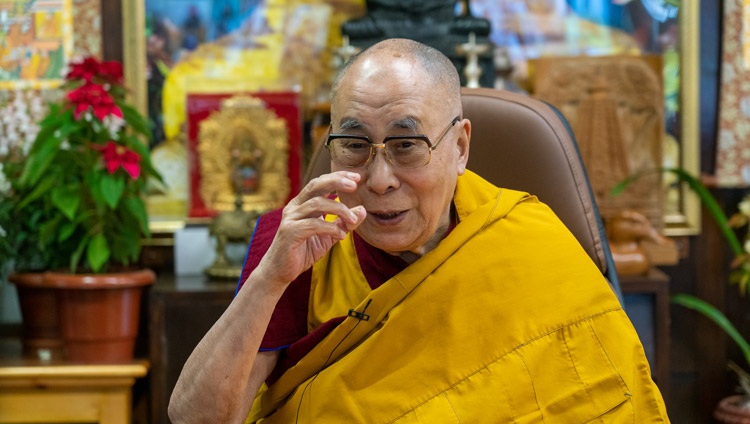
[(403, 151)]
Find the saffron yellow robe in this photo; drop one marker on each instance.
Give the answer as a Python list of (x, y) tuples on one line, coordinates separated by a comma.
[(506, 320)]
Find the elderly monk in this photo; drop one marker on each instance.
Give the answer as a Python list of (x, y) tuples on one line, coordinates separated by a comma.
[(403, 288)]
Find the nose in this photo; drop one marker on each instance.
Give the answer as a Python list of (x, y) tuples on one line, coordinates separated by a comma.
[(380, 174)]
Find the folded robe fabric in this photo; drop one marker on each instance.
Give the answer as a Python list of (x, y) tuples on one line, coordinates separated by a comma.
[(506, 320)]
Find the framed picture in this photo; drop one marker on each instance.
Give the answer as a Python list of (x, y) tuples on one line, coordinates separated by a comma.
[(529, 31), (526, 28), (177, 47), (216, 128), (37, 43), (38, 39)]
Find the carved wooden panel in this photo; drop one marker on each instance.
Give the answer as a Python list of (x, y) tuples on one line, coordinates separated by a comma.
[(615, 106)]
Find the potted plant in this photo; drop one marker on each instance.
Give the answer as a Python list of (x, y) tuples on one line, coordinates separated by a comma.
[(19, 229), (86, 176), (734, 409)]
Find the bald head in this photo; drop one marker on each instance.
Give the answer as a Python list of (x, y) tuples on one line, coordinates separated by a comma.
[(441, 71), (401, 89)]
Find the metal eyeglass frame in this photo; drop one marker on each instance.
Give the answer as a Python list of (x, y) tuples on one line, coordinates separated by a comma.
[(374, 147)]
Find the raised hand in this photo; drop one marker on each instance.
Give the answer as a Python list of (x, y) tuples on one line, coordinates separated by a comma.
[(222, 375), (304, 236)]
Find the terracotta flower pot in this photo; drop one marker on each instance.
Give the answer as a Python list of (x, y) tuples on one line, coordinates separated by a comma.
[(40, 324), (733, 410), (99, 313)]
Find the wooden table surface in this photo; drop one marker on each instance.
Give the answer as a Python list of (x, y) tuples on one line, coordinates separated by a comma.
[(33, 391)]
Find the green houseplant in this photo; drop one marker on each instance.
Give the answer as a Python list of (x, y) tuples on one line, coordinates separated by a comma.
[(88, 168), (733, 409), (85, 178)]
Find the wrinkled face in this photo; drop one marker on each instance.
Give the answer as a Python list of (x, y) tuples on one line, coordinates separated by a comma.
[(408, 210)]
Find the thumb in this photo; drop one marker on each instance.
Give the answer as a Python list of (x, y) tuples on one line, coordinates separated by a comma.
[(360, 213)]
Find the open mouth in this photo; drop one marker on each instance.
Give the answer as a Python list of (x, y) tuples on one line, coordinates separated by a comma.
[(388, 217)]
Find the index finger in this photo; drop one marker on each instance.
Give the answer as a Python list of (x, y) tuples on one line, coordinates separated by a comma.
[(327, 184)]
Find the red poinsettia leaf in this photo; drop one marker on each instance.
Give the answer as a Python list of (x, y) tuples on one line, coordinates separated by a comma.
[(109, 149), (132, 168), (116, 156), (80, 109), (110, 156), (100, 113), (113, 164), (84, 70), (95, 96), (102, 110), (116, 111), (112, 70)]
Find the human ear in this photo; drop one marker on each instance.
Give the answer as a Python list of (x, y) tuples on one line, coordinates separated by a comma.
[(462, 145)]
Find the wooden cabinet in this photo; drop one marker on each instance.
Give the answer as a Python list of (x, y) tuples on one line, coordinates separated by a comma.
[(181, 311)]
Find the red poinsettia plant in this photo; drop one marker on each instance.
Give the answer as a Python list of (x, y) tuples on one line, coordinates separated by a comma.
[(86, 173)]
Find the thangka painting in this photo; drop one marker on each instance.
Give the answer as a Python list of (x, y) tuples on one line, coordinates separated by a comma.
[(36, 42)]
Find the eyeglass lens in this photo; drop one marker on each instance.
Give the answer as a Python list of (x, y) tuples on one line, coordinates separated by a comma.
[(402, 152)]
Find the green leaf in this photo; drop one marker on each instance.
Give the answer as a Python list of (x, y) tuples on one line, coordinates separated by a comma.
[(622, 185), (52, 122), (66, 199), (93, 179), (75, 258), (743, 283), (134, 119), (55, 128), (712, 206), (40, 190), (67, 230), (127, 236), (97, 252), (715, 315), (137, 208), (39, 159), (48, 230), (111, 189), (138, 146), (147, 167)]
